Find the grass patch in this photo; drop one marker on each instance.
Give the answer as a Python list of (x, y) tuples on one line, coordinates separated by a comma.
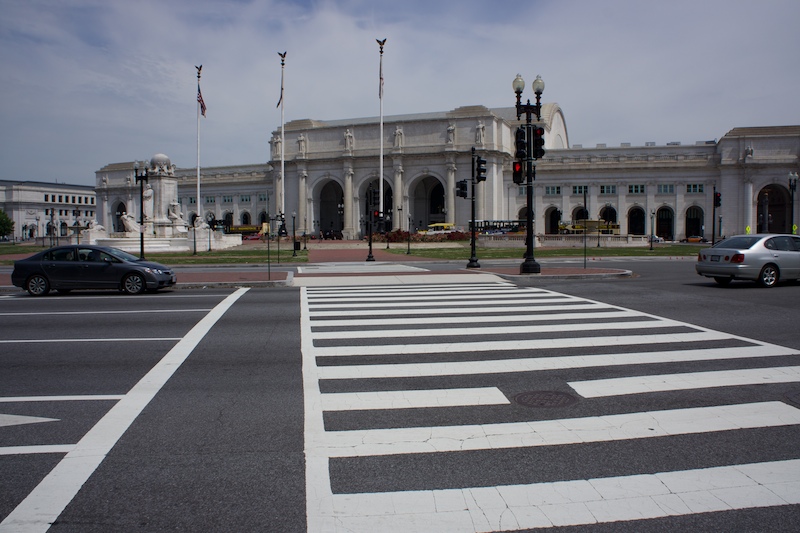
[(245, 255)]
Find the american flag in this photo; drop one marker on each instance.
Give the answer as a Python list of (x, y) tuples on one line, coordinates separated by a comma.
[(200, 101)]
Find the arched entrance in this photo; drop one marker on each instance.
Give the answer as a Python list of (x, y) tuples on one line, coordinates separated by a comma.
[(608, 215), (331, 209), (427, 203), (773, 210), (552, 219), (119, 227), (227, 221), (580, 213), (636, 221), (695, 224), (245, 219), (665, 223)]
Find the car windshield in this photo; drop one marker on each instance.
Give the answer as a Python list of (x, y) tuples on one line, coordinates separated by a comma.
[(738, 243), (120, 254)]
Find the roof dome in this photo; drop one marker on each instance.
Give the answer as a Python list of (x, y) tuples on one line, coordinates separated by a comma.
[(160, 160)]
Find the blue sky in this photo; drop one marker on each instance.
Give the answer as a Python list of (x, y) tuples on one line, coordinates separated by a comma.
[(85, 83)]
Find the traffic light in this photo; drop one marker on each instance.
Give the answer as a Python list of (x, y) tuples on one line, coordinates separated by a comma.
[(538, 142), (480, 169), (518, 174), (374, 197), (717, 199), (521, 143), (376, 215), (461, 188)]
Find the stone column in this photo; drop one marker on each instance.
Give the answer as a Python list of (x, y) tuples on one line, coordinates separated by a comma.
[(397, 193), (349, 230), (450, 191), (302, 195)]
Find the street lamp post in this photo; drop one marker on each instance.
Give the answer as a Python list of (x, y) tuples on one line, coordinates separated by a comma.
[(140, 179), (652, 228), (792, 188), (529, 266), (294, 237)]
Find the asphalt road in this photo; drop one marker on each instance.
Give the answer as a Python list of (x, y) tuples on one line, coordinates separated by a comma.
[(188, 410)]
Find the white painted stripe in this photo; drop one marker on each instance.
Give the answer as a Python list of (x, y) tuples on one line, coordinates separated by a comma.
[(502, 366), (313, 292), (483, 319), (440, 303), (411, 399), (19, 420), (566, 503), (496, 330), (43, 505), (515, 345), (355, 314), (131, 339), (694, 380), (31, 450), (350, 295), (607, 428), (147, 311), (82, 397)]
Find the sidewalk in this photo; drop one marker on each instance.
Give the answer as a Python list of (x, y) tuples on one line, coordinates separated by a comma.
[(340, 253)]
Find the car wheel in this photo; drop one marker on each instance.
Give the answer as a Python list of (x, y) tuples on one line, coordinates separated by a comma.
[(133, 284), (769, 276), (37, 285), (723, 281)]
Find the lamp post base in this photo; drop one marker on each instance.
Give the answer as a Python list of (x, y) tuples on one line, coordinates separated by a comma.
[(530, 267), (473, 263)]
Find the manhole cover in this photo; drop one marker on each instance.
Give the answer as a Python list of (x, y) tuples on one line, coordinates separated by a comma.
[(545, 398)]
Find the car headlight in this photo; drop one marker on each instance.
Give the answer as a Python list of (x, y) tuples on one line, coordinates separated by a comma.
[(153, 270)]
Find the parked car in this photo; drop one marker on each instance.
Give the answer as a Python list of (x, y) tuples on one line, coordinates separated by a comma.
[(694, 238), (65, 268), (764, 258)]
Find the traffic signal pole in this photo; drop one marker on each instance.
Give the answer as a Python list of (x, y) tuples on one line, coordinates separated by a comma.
[(473, 258)]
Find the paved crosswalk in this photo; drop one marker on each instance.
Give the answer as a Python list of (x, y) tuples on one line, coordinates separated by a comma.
[(414, 420)]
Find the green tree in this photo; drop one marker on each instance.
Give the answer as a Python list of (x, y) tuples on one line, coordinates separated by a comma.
[(6, 224)]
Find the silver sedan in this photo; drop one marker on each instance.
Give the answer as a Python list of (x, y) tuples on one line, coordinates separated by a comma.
[(764, 258)]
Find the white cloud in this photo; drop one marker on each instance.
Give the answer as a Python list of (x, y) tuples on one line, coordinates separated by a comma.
[(90, 82)]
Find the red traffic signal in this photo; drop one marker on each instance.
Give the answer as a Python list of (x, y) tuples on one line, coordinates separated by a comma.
[(538, 142), (517, 172), (717, 199)]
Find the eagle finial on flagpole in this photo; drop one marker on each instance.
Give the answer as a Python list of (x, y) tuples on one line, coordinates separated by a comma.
[(283, 57), (381, 43), (198, 70)]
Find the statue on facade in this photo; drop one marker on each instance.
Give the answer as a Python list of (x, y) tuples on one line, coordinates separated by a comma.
[(451, 134), (398, 137), (147, 202), (301, 145), (276, 147), (131, 226), (348, 140), (480, 133)]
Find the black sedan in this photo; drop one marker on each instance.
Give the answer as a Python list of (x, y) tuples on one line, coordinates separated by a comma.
[(65, 268)]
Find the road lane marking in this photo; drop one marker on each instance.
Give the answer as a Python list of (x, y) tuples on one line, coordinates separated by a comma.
[(147, 311), (19, 420), (605, 428), (533, 364), (693, 380), (570, 503), (46, 502), (131, 339), (411, 399), (74, 398), (30, 450)]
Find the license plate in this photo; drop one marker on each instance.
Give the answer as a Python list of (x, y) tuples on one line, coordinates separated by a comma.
[(715, 259), (174, 279)]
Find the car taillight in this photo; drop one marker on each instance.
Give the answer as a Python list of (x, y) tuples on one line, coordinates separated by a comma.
[(737, 258)]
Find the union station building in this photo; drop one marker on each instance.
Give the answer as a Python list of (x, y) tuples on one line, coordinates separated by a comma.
[(319, 172)]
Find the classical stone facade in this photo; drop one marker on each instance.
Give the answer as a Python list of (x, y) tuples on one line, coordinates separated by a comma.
[(43, 209), (329, 166)]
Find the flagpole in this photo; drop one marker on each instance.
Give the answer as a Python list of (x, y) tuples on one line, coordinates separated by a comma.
[(380, 175), (282, 205), (199, 110)]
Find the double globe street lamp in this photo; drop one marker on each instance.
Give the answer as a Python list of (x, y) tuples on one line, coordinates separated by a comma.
[(529, 266)]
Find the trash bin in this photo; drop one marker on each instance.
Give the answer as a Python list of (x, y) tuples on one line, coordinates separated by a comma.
[(296, 245)]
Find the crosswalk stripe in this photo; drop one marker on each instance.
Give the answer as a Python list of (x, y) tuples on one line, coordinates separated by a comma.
[(411, 399), (502, 366), (355, 314), (513, 345), (395, 441), (571, 503), (694, 380), (496, 330)]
